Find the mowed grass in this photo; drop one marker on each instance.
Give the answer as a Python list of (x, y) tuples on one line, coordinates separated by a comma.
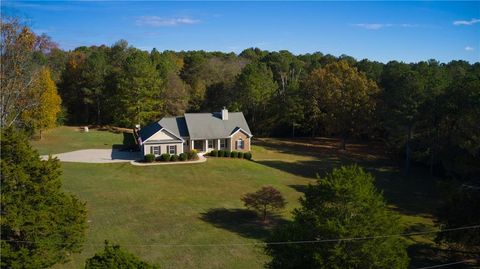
[(69, 138), (167, 214)]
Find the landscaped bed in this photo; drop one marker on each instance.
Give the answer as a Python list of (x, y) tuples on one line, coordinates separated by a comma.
[(230, 154)]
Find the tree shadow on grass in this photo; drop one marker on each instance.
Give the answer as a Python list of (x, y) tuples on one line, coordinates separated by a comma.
[(425, 255), (241, 221), (412, 195), (128, 143), (308, 169)]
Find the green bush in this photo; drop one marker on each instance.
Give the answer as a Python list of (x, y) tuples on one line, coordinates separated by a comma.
[(221, 153), (240, 155), (115, 257), (183, 156), (174, 158), (149, 158), (192, 155), (226, 153), (234, 154), (214, 153), (247, 155), (165, 157)]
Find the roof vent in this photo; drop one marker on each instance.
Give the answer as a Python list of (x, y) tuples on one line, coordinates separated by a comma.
[(224, 114)]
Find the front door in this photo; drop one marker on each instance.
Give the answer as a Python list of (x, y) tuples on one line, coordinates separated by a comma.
[(198, 145)]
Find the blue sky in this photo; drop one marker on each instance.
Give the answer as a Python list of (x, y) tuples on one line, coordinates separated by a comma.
[(382, 31)]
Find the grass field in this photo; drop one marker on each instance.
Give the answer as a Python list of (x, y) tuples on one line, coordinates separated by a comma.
[(141, 208), (68, 138)]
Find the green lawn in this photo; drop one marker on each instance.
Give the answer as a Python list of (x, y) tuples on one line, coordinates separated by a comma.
[(67, 138), (144, 207)]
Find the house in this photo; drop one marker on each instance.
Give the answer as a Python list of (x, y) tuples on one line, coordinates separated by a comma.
[(200, 131)]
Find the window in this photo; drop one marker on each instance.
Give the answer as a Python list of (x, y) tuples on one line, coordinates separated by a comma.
[(210, 144), (155, 150), (222, 143), (172, 150), (240, 144)]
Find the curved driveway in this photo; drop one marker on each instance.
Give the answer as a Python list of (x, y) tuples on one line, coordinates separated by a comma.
[(96, 156)]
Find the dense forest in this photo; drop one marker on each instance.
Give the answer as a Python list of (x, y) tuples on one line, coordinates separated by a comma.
[(427, 113)]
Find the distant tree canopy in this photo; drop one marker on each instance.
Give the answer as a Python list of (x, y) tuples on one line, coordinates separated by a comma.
[(344, 204), (425, 112), (40, 224), (113, 257)]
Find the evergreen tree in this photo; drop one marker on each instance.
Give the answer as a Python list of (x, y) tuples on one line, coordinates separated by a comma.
[(344, 204), (40, 224), (140, 90)]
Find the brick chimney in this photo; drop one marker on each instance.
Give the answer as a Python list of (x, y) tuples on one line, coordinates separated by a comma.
[(224, 114)]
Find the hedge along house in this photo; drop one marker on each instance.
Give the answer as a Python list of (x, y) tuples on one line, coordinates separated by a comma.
[(200, 131)]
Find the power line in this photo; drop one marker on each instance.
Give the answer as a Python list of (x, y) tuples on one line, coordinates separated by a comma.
[(445, 264), (266, 243)]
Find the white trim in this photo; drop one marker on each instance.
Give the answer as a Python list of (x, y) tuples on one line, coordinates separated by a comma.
[(166, 130), (240, 129)]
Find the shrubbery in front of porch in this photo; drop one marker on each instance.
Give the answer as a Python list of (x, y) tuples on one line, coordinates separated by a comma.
[(191, 156), (230, 154)]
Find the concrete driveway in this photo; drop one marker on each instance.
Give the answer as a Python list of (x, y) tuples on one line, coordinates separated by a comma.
[(96, 156)]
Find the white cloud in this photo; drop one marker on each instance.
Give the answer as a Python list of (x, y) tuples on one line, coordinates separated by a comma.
[(156, 21), (372, 26), (468, 48), (463, 22), (377, 26)]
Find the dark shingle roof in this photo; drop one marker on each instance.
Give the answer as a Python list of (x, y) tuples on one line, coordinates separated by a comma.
[(177, 125), (149, 130), (198, 125), (211, 125)]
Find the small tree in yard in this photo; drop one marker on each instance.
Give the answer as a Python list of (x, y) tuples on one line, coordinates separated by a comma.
[(264, 201)]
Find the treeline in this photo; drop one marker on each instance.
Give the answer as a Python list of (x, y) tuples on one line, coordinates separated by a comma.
[(426, 112)]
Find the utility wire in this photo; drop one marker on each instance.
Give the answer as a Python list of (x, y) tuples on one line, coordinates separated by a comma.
[(265, 243), (445, 264)]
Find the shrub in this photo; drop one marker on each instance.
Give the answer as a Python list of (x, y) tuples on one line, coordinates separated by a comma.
[(226, 153), (115, 257), (149, 158), (247, 155), (165, 157), (183, 157), (234, 154), (214, 153), (240, 155), (174, 158), (192, 155), (221, 153)]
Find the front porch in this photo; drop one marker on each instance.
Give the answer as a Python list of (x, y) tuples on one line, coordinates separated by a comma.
[(206, 145)]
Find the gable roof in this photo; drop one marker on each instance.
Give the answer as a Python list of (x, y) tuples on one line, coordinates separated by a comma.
[(211, 125), (177, 125), (174, 125), (199, 126)]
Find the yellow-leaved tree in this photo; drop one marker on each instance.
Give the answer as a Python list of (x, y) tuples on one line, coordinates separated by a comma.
[(44, 114)]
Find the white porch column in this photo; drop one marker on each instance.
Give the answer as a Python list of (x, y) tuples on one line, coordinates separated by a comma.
[(218, 144), (206, 145), (191, 144)]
